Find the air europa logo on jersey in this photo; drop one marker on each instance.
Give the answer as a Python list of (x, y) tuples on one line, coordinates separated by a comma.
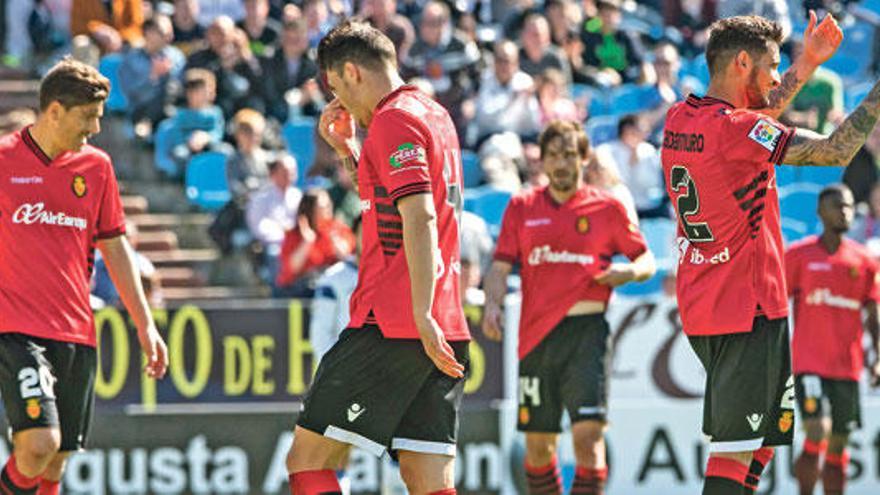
[(543, 254), (29, 214), (823, 297), (406, 152)]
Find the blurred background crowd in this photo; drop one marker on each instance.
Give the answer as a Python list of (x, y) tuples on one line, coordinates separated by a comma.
[(231, 192)]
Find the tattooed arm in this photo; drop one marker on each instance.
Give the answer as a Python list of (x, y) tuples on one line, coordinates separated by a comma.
[(820, 43), (838, 149)]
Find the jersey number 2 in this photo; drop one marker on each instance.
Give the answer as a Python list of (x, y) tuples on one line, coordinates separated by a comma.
[(687, 204)]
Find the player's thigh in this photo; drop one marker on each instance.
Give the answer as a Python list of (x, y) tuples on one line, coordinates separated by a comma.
[(845, 403), (76, 393), (810, 396), (430, 423), (583, 382), (539, 404), (363, 388), (27, 385), (426, 473), (311, 451)]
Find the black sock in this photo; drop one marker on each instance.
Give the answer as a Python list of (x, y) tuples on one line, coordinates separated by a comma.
[(722, 486)]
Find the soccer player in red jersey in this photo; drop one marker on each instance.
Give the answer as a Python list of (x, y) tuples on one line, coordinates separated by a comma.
[(831, 279), (719, 155), (394, 380), (563, 236), (58, 201)]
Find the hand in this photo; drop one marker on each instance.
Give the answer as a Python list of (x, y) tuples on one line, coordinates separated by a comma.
[(822, 41), (155, 350), (616, 274), (160, 67), (493, 325), (437, 349), (875, 373), (198, 140), (337, 128), (305, 230)]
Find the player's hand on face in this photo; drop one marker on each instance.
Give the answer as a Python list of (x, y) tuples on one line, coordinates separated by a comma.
[(337, 127), (492, 322), (616, 274), (821, 41), (155, 350), (438, 349)]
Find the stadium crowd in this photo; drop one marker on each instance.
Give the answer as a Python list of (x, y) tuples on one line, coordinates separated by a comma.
[(239, 78)]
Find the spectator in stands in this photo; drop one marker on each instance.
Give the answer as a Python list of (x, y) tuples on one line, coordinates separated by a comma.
[(47, 25), (200, 123), (564, 18), (537, 53), (272, 210), (317, 241), (247, 170), (102, 284), (148, 75), (553, 100), (774, 10), (506, 101), (318, 20), (262, 31), (602, 172), (445, 57), (638, 163), (382, 14), (333, 289), (188, 33), (866, 226), (235, 68), (209, 10), (534, 168), (610, 56), (109, 24), (863, 172), (691, 18), (819, 103), (477, 247), (289, 75)]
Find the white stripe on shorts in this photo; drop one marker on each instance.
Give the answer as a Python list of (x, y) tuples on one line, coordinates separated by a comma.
[(423, 446), (737, 446), (353, 438), (591, 410)]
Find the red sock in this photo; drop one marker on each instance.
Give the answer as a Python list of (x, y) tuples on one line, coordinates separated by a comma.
[(724, 467), (544, 480), (321, 482), (15, 483), (589, 481), (448, 491), (834, 473), (760, 459), (48, 487), (806, 468)]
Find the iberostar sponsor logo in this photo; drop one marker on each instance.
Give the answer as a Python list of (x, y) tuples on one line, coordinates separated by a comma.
[(406, 152)]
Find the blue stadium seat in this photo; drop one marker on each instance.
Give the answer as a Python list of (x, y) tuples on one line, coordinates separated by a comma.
[(848, 66), (206, 184), (631, 98), (109, 68), (472, 173), (489, 203), (299, 134), (853, 95), (602, 129), (166, 137), (799, 189), (660, 235), (697, 68)]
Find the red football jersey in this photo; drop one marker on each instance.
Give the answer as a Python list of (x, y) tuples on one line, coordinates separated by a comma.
[(560, 249), (829, 291), (719, 169), (411, 147), (52, 212)]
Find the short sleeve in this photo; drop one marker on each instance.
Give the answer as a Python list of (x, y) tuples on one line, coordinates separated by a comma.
[(628, 240), (872, 292), (401, 150), (507, 247), (753, 137), (111, 218), (792, 278)]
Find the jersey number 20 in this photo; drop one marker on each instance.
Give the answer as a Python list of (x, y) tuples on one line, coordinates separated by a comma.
[(687, 204)]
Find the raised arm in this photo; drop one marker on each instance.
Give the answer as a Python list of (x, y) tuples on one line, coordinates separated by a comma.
[(820, 44), (838, 149), (338, 129)]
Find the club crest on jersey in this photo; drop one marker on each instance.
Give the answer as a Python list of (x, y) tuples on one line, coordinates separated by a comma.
[(765, 134), (79, 186), (786, 421), (406, 152), (853, 272), (582, 225), (33, 409)]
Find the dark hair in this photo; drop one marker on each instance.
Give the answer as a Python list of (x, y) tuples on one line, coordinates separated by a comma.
[(358, 43), (833, 190), (559, 128), (730, 36), (309, 203), (297, 24), (628, 120), (73, 83), (199, 78)]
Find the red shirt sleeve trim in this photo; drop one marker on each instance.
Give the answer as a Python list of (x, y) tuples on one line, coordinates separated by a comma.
[(505, 257), (781, 148), (410, 189), (112, 233)]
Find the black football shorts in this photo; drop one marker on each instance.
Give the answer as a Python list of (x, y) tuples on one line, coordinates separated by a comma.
[(819, 397)]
